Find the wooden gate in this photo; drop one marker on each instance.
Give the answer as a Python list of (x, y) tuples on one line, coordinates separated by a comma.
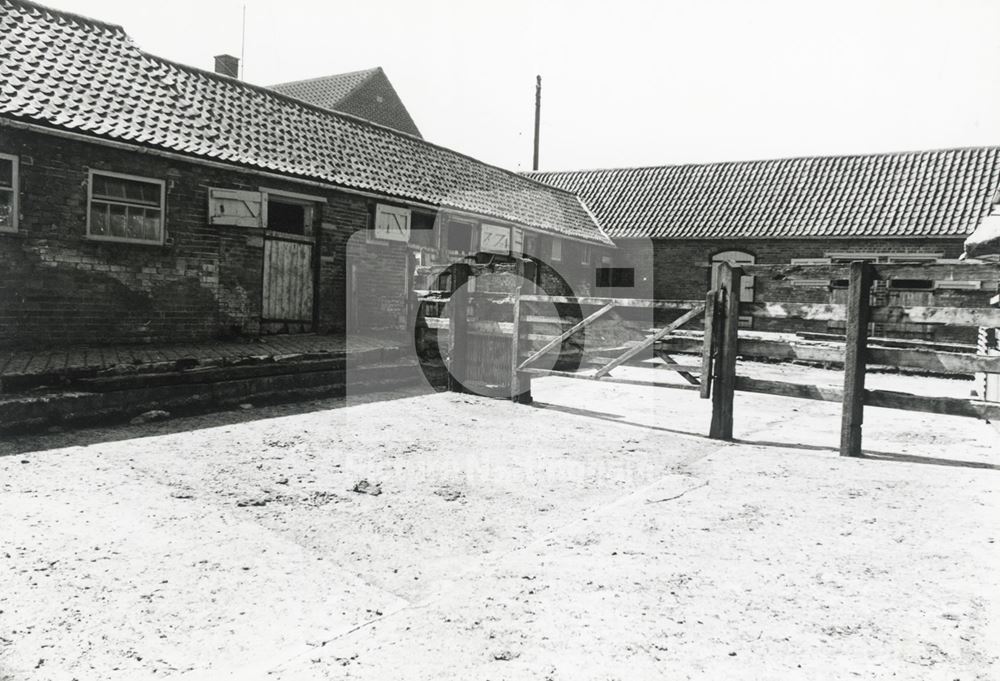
[(493, 334), (288, 284), (466, 312), (598, 363)]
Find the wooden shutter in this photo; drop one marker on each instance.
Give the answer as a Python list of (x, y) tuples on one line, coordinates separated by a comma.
[(516, 241), (234, 207)]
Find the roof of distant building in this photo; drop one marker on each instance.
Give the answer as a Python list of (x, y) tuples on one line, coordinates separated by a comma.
[(943, 193), (367, 94)]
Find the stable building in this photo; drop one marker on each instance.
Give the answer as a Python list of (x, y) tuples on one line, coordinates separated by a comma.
[(143, 200), (674, 222)]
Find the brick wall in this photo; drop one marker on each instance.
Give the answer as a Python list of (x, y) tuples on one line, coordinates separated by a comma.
[(59, 287), (570, 276), (379, 285), (679, 270)]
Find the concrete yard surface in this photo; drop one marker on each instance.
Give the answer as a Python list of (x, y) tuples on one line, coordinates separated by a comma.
[(594, 535)]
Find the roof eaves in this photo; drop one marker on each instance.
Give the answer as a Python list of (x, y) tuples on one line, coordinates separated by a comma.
[(597, 223), (151, 148)]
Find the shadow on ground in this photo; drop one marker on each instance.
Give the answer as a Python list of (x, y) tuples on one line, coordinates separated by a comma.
[(12, 445), (868, 454)]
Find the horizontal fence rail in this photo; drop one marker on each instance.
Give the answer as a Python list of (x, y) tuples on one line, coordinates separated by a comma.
[(934, 361), (951, 316), (617, 302), (880, 272), (889, 399), (860, 296)]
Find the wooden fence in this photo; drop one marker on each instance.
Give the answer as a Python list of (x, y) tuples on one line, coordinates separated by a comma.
[(856, 354), (504, 350)]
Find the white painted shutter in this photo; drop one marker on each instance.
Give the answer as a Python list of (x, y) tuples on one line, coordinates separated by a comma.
[(494, 239), (392, 223), (235, 207)]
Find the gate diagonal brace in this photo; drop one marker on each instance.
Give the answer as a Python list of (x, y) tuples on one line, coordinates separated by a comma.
[(673, 326), (566, 334), (672, 365)]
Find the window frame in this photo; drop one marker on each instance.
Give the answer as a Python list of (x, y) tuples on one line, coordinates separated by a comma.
[(613, 277), (15, 191), (311, 204), (585, 255), (529, 245), (135, 178), (555, 249), (469, 249)]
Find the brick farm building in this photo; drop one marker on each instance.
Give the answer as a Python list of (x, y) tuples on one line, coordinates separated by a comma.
[(146, 201), (671, 223)]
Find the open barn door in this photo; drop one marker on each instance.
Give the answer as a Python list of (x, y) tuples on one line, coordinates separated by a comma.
[(289, 279)]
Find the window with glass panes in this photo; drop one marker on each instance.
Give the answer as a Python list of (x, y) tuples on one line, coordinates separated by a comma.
[(8, 193), (125, 208)]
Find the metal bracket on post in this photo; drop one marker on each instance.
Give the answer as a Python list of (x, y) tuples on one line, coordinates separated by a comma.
[(855, 357), (724, 378)]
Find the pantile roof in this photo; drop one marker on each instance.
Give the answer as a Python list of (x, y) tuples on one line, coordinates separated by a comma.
[(916, 194), (71, 73), (367, 94), (326, 91)]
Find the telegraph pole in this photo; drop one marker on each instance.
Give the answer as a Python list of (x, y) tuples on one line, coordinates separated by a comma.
[(538, 118)]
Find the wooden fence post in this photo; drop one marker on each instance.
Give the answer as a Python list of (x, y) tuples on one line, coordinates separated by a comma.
[(458, 328), (855, 357), (709, 344), (520, 383), (724, 378)]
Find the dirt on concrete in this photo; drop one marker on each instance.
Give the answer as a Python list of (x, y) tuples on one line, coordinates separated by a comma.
[(595, 535)]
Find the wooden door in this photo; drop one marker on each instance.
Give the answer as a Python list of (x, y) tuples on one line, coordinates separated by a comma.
[(908, 298), (288, 282)]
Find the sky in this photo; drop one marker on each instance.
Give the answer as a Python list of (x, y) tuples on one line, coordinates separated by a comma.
[(625, 83)]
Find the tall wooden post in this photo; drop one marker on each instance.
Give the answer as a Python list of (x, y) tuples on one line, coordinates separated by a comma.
[(724, 379), (709, 343), (538, 119), (458, 328), (855, 357), (520, 383)]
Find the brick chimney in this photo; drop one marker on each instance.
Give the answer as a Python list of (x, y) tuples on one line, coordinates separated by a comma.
[(227, 65)]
